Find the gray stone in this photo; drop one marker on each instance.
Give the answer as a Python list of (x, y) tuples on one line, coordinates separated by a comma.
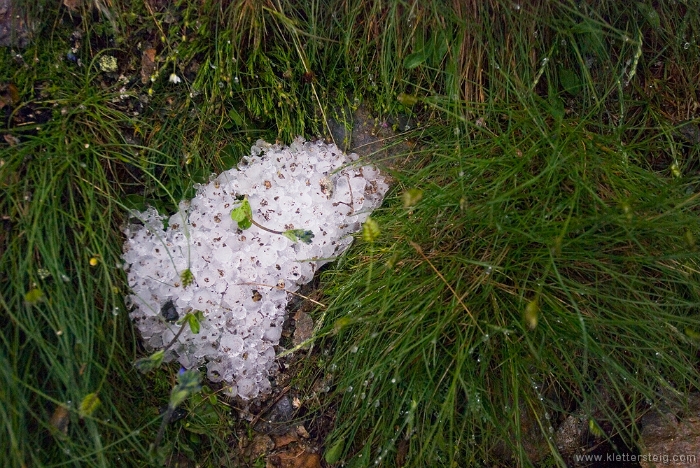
[(671, 435), (15, 30)]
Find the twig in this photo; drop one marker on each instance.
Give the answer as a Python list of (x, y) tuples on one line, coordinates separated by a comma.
[(285, 290), (437, 272), (255, 223), (269, 407)]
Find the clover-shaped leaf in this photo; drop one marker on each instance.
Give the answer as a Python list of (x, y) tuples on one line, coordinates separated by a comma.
[(193, 319), (243, 215)]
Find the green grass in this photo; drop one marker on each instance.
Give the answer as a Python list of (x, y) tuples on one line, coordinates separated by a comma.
[(550, 267), (527, 279)]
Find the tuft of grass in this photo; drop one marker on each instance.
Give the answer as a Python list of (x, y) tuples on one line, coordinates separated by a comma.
[(549, 268), (537, 277)]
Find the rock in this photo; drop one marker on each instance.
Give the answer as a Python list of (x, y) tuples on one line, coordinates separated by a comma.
[(533, 442), (278, 420), (671, 435), (261, 445), (569, 436), (304, 328), (371, 139), (15, 30)]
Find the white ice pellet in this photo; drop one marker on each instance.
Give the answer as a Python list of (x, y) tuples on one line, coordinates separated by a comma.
[(241, 278)]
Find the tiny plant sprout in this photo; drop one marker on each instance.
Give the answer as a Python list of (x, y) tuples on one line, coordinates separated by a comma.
[(243, 215), (193, 319), (188, 383), (151, 362), (295, 235)]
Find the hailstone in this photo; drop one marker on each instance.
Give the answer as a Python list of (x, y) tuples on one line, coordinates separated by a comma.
[(240, 279)]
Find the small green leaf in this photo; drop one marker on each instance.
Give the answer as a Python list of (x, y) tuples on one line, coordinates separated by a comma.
[(33, 296), (235, 117), (335, 451), (414, 60), (370, 230), (411, 196), (89, 404), (570, 81), (407, 100), (194, 320), (151, 362), (440, 49), (650, 14), (243, 215), (556, 108), (296, 235)]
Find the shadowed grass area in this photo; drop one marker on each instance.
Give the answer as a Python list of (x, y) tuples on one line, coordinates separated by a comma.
[(549, 267)]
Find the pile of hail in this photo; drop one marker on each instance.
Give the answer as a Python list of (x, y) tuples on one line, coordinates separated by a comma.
[(234, 252)]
